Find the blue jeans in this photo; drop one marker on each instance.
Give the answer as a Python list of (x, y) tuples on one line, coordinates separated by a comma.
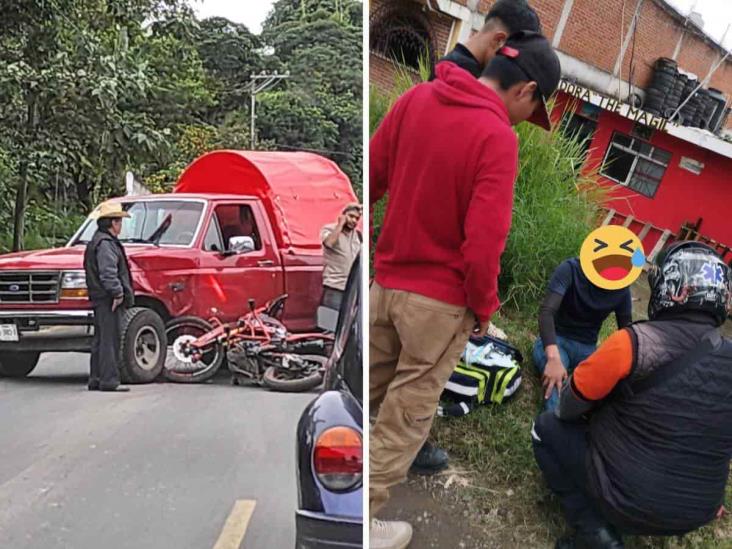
[(571, 353)]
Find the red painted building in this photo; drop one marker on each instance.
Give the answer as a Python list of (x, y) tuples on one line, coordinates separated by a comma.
[(662, 176), (655, 176)]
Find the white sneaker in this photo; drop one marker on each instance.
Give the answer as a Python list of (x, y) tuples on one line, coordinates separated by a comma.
[(389, 534)]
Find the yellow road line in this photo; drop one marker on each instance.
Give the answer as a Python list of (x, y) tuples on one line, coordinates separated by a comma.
[(236, 525)]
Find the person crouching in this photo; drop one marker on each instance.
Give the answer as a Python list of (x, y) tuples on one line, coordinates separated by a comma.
[(653, 457)]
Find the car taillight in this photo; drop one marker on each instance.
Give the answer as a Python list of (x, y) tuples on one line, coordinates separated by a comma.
[(338, 458)]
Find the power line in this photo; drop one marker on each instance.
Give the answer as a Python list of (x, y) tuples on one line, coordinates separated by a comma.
[(308, 149)]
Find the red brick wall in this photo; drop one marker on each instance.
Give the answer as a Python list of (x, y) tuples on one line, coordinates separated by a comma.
[(656, 36), (698, 57), (382, 73), (593, 35), (549, 12)]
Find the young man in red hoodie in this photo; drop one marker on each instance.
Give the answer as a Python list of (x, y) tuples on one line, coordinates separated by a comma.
[(505, 18), (447, 155)]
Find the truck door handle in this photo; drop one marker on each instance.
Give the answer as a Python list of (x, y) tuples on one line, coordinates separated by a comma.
[(265, 263)]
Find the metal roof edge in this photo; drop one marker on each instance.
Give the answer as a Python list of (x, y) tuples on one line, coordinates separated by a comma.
[(676, 14), (701, 138)]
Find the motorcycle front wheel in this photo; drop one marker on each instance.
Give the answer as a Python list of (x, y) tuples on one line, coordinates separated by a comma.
[(180, 368)]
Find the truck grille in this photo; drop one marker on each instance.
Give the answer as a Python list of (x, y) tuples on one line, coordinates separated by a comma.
[(29, 287)]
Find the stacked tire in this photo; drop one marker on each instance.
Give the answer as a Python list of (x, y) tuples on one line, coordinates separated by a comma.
[(688, 114), (675, 96), (663, 86), (670, 89), (710, 106)]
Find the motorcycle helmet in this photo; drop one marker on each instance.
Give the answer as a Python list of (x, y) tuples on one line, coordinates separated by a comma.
[(689, 276)]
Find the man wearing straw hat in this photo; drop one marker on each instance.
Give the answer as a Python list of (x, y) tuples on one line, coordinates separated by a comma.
[(110, 291)]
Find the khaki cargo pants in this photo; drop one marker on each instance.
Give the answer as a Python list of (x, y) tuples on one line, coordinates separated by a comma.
[(415, 343)]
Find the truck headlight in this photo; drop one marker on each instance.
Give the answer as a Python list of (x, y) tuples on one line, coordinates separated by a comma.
[(73, 285)]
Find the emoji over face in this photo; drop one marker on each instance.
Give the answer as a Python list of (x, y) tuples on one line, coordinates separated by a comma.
[(612, 257)]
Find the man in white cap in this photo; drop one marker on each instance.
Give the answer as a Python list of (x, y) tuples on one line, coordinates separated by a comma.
[(110, 291)]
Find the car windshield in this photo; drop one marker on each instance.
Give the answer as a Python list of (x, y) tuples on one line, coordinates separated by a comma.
[(164, 222)]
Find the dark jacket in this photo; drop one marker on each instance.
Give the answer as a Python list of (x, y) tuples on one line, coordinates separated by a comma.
[(464, 59), (574, 308), (659, 459), (107, 269)]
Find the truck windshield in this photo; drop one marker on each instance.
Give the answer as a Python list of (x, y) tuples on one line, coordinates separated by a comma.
[(164, 222)]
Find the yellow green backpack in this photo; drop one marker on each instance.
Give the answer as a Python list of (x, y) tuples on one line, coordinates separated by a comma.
[(489, 372)]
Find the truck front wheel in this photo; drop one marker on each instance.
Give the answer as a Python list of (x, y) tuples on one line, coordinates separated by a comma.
[(143, 345), (18, 364)]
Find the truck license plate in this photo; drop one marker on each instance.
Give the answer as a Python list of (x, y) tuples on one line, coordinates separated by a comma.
[(8, 332)]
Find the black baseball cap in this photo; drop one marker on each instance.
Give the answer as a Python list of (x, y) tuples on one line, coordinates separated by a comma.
[(536, 58)]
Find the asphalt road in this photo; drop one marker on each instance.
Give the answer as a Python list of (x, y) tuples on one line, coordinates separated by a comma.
[(161, 467)]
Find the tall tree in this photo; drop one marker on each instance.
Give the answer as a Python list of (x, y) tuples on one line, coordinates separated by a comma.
[(319, 42), (85, 88)]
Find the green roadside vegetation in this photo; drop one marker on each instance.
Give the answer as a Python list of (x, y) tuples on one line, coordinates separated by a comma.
[(92, 89)]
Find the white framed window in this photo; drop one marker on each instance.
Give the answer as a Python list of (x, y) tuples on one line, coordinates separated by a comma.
[(634, 163)]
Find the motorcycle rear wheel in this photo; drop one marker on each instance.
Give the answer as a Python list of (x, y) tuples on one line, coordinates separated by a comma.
[(276, 379)]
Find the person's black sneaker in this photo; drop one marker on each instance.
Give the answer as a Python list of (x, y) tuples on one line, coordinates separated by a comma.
[(117, 389), (430, 460), (93, 386), (601, 538)]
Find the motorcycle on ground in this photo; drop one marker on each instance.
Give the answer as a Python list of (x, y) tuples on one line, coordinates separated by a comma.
[(257, 348)]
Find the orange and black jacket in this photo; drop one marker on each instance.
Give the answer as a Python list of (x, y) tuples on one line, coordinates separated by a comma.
[(658, 459)]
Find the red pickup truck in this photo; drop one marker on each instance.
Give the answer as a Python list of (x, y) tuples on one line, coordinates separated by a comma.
[(238, 225)]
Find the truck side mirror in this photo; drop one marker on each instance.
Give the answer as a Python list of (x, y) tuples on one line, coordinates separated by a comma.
[(241, 245)]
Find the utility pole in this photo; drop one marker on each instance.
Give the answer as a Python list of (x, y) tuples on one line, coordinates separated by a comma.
[(259, 83)]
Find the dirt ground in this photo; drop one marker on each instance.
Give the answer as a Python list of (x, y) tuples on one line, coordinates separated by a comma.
[(437, 522), (446, 516)]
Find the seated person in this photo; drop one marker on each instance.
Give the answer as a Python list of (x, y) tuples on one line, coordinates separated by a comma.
[(244, 226), (653, 459), (570, 319)]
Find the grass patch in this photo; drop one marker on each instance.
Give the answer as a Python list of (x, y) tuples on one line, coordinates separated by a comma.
[(556, 205)]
